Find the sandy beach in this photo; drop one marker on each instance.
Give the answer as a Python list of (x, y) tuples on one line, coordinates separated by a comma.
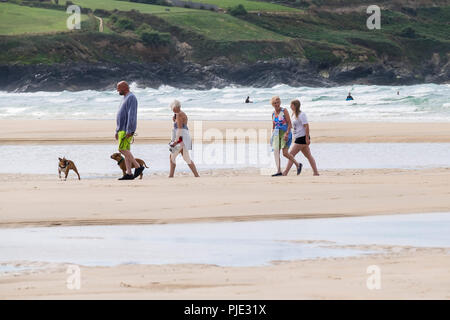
[(191, 197), (31, 200), (149, 131), (220, 196), (406, 273)]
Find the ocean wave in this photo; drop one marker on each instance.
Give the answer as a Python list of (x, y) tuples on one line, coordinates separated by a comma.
[(414, 103)]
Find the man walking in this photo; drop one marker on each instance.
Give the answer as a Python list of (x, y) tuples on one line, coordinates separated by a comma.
[(126, 126)]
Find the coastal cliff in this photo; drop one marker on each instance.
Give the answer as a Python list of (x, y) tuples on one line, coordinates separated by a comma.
[(312, 46)]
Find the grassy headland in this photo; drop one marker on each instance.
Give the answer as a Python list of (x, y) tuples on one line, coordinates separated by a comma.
[(16, 20), (326, 34)]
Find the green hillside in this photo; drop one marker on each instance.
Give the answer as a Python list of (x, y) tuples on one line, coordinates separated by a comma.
[(15, 19), (324, 33), (148, 8), (124, 6), (217, 26), (221, 26), (249, 5)]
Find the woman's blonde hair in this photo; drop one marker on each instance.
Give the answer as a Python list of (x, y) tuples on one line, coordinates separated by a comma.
[(175, 104), (274, 98), (296, 104)]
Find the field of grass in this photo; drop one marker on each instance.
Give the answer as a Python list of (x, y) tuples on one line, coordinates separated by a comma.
[(15, 19), (248, 4), (221, 27), (148, 8), (215, 26), (125, 6)]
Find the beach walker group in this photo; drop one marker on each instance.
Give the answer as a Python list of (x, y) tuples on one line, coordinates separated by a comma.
[(286, 133)]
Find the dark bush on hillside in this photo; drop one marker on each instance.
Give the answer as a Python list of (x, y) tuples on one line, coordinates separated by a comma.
[(408, 33), (323, 58), (143, 28), (45, 5), (298, 3), (102, 13), (410, 11), (155, 38), (90, 24), (114, 18), (382, 47), (238, 10), (158, 2), (152, 37), (318, 2), (124, 24), (302, 4)]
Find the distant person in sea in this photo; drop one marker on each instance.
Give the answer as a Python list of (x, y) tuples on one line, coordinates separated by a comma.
[(302, 138), (126, 127), (181, 139), (248, 100), (349, 97), (281, 134)]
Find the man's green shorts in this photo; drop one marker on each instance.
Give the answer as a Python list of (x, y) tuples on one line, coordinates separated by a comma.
[(124, 142)]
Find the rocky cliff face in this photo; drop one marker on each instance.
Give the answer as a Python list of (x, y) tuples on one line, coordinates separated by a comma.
[(99, 76)]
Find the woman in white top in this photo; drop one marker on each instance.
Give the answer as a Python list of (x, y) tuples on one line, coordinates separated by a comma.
[(181, 140), (302, 138)]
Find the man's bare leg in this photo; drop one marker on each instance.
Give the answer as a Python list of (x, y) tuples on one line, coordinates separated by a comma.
[(129, 160)]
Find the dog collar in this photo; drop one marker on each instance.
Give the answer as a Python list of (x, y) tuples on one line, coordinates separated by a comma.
[(118, 163), (65, 165)]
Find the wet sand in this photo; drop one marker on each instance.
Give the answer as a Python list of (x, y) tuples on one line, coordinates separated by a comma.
[(149, 131), (405, 273)]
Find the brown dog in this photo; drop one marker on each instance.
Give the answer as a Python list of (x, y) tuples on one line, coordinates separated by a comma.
[(121, 162), (66, 165)]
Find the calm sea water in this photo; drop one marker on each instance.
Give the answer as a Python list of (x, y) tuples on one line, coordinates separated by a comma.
[(226, 244), (93, 160), (427, 102)]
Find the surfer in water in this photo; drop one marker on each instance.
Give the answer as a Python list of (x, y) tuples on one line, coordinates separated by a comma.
[(248, 100), (349, 97)]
